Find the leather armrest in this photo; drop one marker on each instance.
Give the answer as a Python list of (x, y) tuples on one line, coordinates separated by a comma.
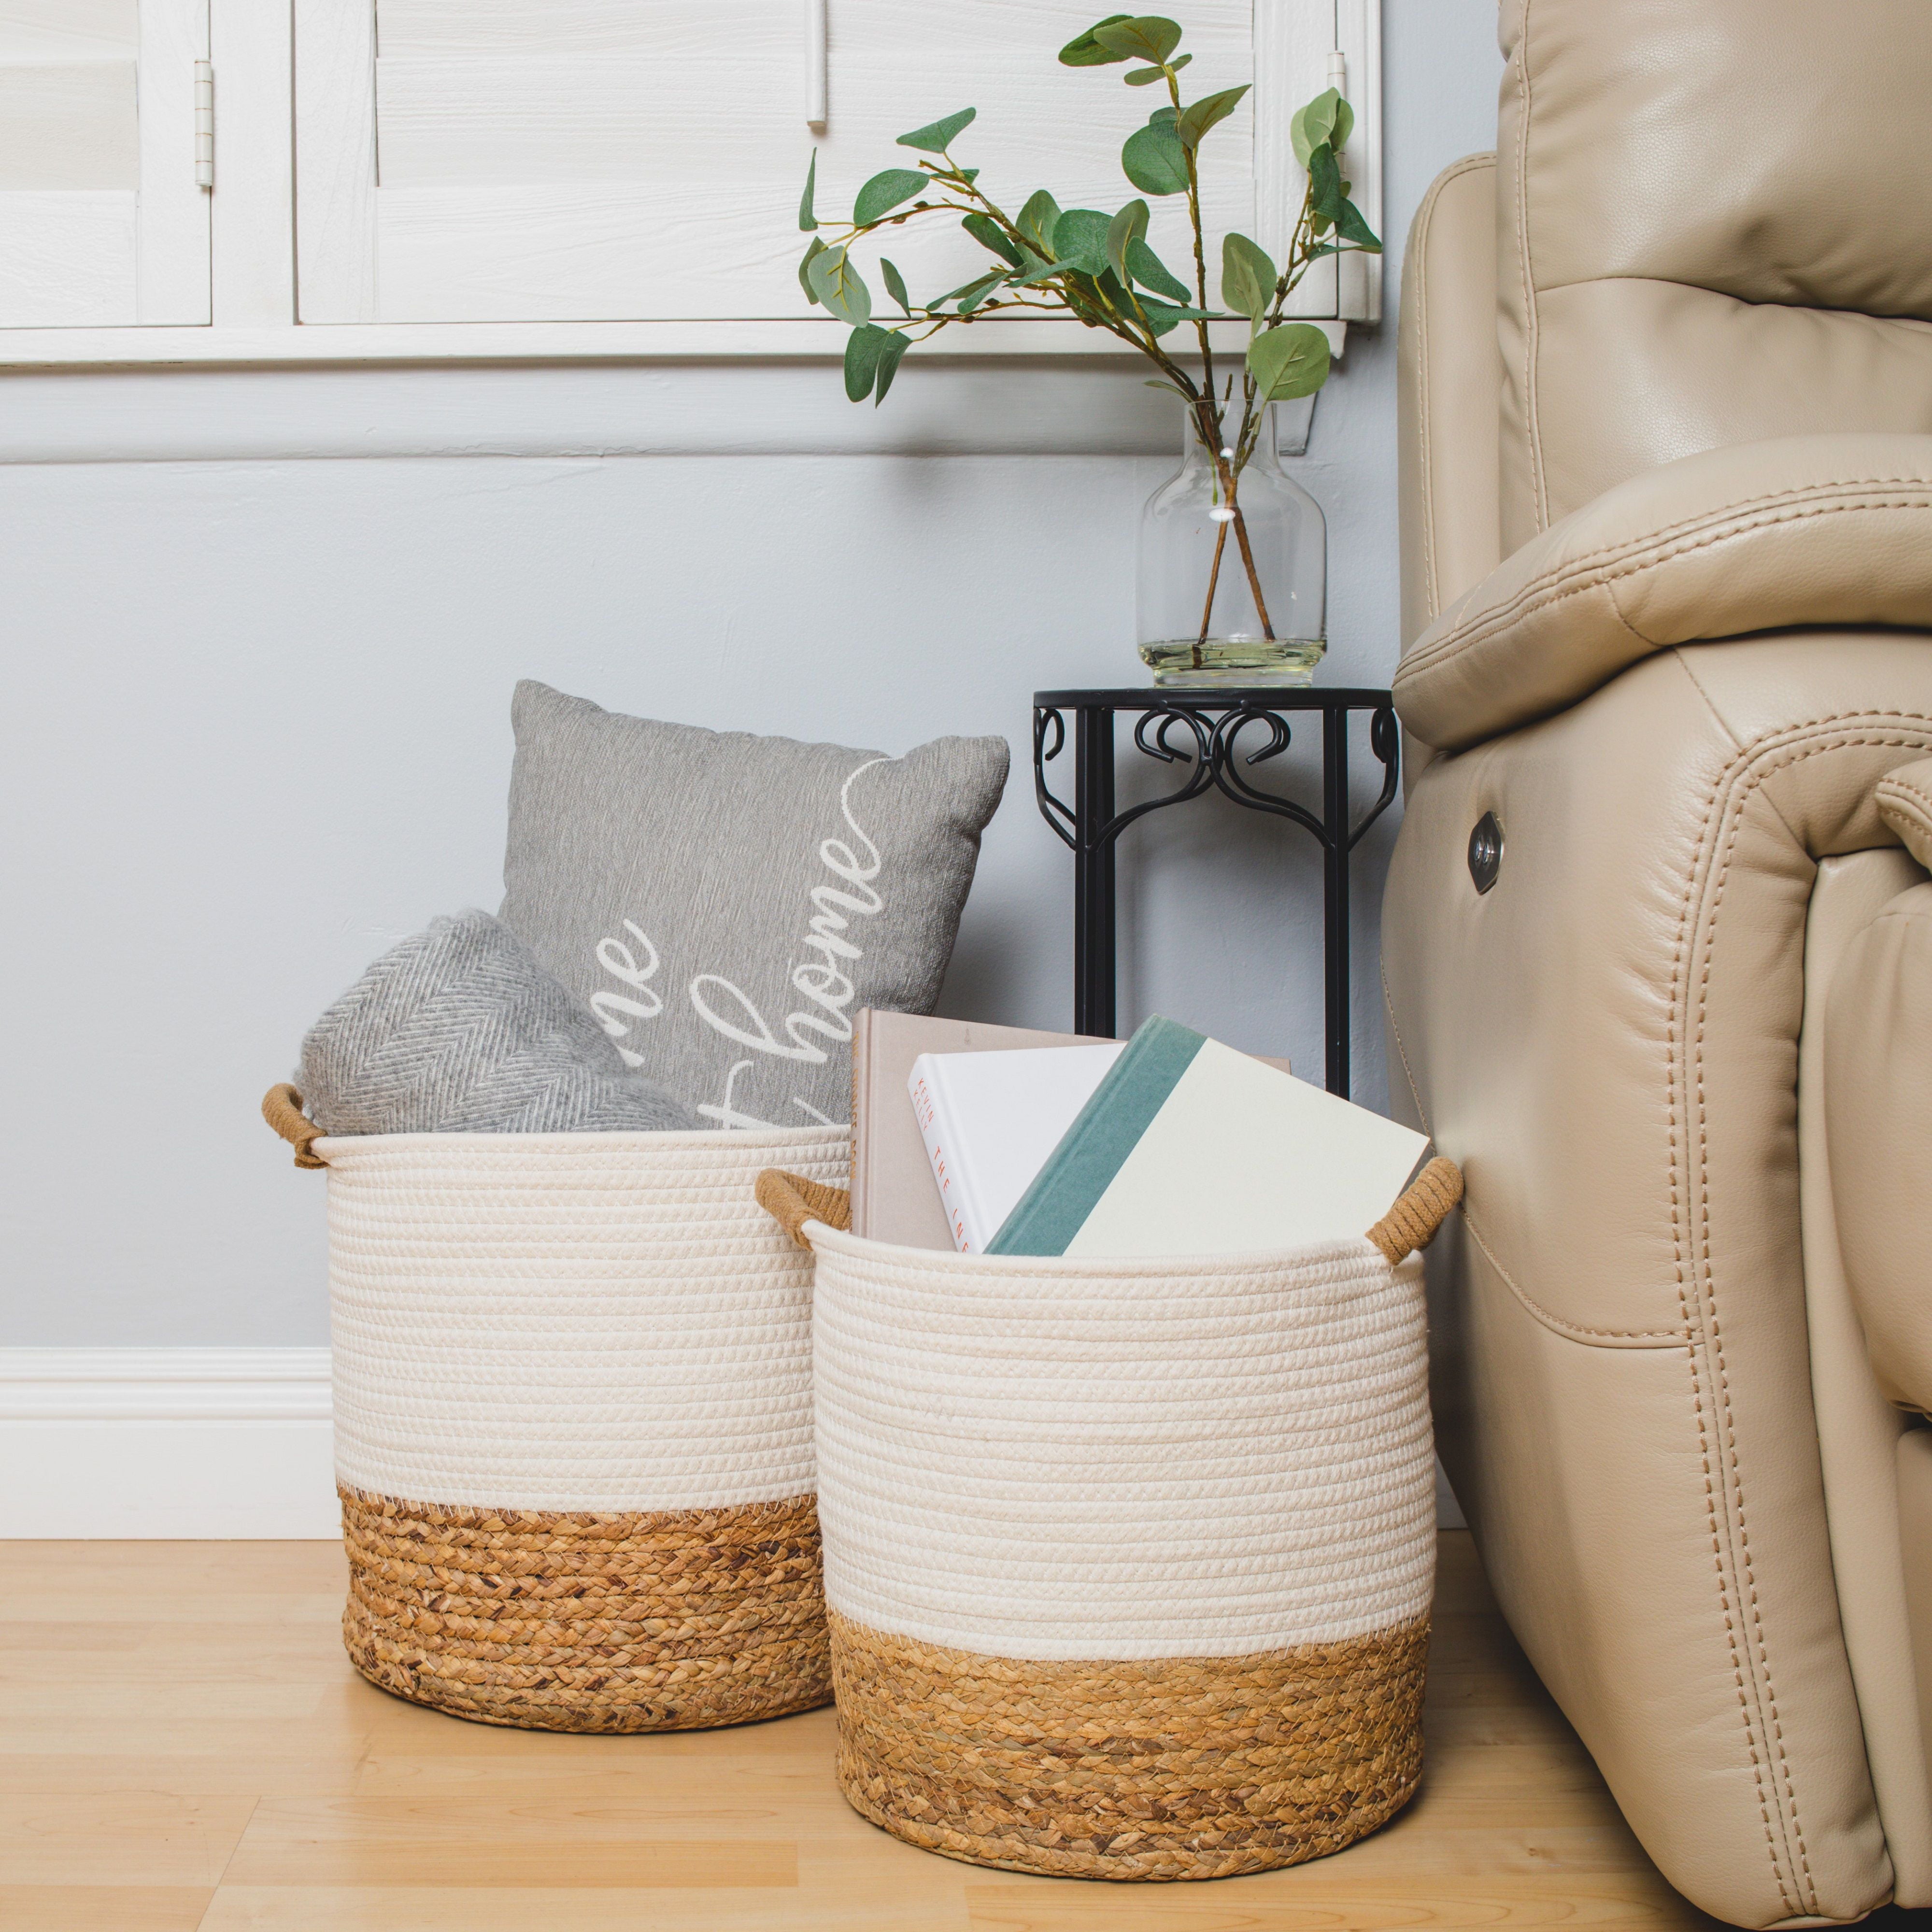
[(1798, 530), (1878, 1107)]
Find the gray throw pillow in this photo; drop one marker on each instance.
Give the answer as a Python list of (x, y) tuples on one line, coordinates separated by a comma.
[(726, 903), (459, 1031)]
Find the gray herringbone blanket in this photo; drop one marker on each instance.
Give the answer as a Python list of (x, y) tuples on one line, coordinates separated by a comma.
[(459, 1031)]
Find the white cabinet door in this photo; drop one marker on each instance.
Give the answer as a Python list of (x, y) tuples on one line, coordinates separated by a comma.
[(560, 160), (102, 221)]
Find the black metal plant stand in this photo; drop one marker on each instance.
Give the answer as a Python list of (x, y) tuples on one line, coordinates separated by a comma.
[(1208, 722)]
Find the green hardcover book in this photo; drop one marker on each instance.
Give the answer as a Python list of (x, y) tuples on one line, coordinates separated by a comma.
[(1189, 1148)]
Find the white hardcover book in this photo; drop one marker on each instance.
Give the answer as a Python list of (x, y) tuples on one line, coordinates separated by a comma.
[(989, 1121)]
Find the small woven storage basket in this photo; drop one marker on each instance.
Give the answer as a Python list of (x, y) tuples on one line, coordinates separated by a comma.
[(572, 1383), (1128, 1564)]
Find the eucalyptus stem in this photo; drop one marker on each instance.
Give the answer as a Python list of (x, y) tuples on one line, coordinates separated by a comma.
[(1101, 270)]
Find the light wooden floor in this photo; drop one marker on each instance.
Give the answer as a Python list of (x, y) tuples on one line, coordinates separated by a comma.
[(183, 1745)]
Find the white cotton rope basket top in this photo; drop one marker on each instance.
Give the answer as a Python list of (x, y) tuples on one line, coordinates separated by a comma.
[(1061, 1458), (569, 1322)]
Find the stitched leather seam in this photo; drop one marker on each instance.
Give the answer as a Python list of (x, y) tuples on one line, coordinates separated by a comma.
[(1910, 323), (1530, 330), (1672, 1072), (1888, 790), (1431, 581), (1545, 592), (1792, 745), (1647, 552), (1423, 437), (1432, 584), (1401, 1051), (1571, 1331)]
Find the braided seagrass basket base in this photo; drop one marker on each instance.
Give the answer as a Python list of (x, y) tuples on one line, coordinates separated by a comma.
[(662, 1620), (1178, 1768)]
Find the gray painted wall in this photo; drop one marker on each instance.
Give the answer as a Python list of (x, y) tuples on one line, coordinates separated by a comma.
[(261, 633)]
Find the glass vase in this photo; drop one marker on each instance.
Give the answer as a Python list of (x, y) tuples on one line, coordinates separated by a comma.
[(1233, 569)]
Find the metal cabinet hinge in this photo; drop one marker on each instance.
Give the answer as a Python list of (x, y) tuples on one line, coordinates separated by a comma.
[(204, 124)]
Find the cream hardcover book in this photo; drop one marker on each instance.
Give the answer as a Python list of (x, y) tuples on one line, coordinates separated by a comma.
[(894, 1195), (1187, 1147)]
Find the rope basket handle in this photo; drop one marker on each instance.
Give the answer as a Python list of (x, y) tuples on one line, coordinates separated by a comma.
[(791, 1201), (282, 1108), (1421, 1208)]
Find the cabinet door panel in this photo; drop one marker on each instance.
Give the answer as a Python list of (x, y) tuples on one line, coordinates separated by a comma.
[(67, 258), (102, 223), (607, 160), (1040, 125)]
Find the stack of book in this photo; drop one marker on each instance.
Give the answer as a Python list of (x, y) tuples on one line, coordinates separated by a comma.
[(1001, 1140)]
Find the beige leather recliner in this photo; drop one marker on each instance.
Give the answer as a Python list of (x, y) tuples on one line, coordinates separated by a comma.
[(1657, 941)]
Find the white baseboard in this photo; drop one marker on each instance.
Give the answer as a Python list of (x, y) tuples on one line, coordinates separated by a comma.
[(166, 1442), (216, 1443)]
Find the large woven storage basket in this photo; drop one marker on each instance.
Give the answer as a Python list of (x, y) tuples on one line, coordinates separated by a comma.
[(1128, 1564), (573, 1423)]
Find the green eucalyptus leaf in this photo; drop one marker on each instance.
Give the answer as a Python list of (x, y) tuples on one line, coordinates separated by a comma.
[(1316, 122), (1123, 232), (1144, 76), (1247, 276), (1080, 240), (1083, 298), (1163, 117), (1151, 272), (1036, 220), (1288, 361), (1084, 50), (895, 286), (1163, 316), (1034, 270), (1324, 181), (1147, 36), (936, 137), (1200, 116), (988, 232), (837, 283), (884, 192), (1154, 159), (890, 357), (813, 249), (975, 293), (1351, 227), (807, 220), (862, 348), (976, 288)]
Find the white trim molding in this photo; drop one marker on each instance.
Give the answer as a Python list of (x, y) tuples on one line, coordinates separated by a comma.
[(166, 1442), (222, 1443)]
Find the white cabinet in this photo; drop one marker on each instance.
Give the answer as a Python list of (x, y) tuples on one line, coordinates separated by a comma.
[(103, 221), (603, 161), (399, 179)]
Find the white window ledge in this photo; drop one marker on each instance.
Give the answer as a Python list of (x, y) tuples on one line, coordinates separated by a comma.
[(309, 344)]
